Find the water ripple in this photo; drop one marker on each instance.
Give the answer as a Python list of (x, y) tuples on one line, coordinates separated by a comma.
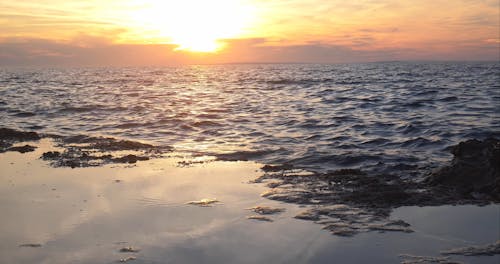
[(389, 115)]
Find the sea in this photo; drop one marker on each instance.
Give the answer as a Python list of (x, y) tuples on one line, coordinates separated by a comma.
[(385, 117)]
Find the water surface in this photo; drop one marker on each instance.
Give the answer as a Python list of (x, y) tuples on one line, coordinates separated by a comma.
[(392, 116)]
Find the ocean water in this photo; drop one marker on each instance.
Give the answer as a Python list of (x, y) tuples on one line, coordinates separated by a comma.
[(378, 116)]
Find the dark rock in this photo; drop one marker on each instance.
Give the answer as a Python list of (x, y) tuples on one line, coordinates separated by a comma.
[(15, 135), (4, 145), (266, 210), (82, 151), (260, 218), (22, 149), (243, 155), (106, 144), (475, 169), (275, 168), (485, 250), (127, 259), (33, 245), (129, 250), (129, 159), (51, 155), (471, 178), (412, 259), (111, 144)]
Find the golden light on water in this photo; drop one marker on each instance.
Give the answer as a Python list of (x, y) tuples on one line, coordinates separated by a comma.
[(193, 25)]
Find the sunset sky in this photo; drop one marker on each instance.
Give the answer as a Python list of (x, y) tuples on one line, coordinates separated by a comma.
[(155, 32)]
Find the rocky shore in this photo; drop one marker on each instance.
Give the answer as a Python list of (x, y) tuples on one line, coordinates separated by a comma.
[(82, 151), (345, 202), (350, 201)]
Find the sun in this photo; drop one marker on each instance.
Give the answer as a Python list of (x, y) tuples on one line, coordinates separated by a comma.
[(195, 25)]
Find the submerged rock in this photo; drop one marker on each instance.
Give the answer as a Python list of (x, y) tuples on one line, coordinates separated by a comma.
[(389, 227), (310, 215), (243, 155), (129, 250), (412, 259), (266, 210), (345, 220), (32, 245), (260, 218), (127, 259), (106, 144), (485, 250)]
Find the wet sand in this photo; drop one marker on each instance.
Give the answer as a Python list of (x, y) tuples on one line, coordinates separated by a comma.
[(153, 211)]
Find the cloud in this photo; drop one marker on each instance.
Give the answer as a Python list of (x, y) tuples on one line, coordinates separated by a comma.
[(84, 52), (97, 51)]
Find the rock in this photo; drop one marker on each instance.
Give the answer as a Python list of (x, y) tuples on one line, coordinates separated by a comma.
[(412, 259), (485, 250), (51, 155), (275, 168), (266, 210), (129, 250), (309, 215), (129, 159), (127, 259), (82, 151), (350, 201), (4, 145), (273, 184), (340, 229), (260, 218), (393, 228), (106, 144), (474, 170), (22, 149), (15, 135), (32, 245)]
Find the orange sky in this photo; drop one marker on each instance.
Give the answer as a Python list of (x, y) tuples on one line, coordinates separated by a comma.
[(155, 32)]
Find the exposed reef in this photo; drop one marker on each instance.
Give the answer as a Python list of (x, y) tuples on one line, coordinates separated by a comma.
[(17, 136), (8, 137), (22, 149), (345, 202), (474, 170), (82, 151), (350, 201)]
